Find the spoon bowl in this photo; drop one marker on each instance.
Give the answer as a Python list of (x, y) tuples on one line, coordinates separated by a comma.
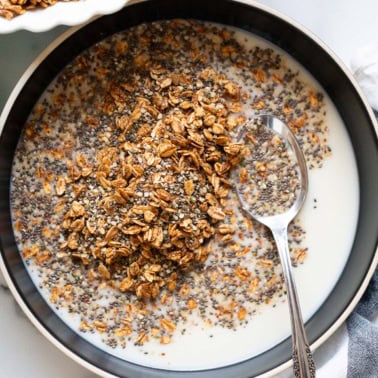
[(303, 363)]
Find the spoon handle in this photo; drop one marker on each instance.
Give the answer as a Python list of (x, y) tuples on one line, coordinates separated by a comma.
[(303, 362)]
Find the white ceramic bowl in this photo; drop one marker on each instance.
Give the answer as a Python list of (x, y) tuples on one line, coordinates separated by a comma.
[(63, 13)]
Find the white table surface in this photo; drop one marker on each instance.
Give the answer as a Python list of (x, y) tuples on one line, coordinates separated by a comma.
[(344, 25)]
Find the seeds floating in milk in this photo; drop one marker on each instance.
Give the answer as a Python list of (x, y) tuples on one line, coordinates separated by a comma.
[(269, 173), (122, 195)]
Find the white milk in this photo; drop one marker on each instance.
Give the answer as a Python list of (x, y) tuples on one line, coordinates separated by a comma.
[(330, 232)]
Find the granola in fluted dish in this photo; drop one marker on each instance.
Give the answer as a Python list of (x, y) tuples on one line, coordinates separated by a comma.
[(121, 188), (12, 8)]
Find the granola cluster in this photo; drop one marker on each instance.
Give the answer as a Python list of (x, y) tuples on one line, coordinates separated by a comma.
[(148, 204), (12, 8)]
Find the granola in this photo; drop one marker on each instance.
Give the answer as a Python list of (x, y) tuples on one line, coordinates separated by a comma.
[(12, 8), (154, 195)]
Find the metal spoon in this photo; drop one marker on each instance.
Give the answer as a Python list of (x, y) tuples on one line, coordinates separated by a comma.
[(303, 363)]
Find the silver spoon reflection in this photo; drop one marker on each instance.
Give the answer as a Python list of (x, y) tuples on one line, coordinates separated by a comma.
[(277, 222)]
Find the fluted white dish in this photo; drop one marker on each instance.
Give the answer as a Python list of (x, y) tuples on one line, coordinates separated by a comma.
[(63, 13)]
